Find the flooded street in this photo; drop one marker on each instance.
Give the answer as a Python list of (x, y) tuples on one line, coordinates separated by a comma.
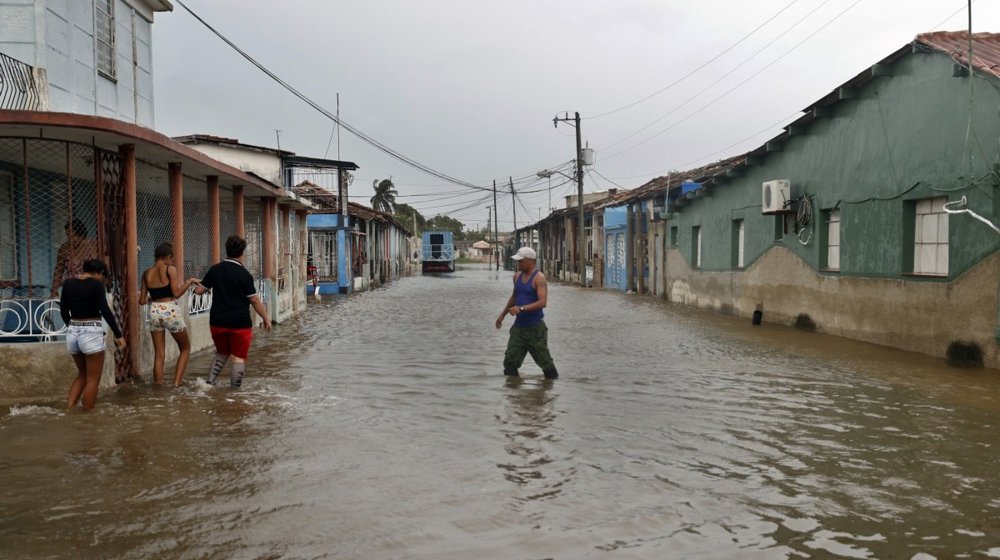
[(379, 425)]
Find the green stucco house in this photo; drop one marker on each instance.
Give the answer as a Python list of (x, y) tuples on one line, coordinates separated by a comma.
[(872, 216)]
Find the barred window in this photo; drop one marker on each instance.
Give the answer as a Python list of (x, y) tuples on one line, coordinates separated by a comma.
[(696, 246), (833, 239), (8, 244), (930, 240), (104, 17), (739, 239)]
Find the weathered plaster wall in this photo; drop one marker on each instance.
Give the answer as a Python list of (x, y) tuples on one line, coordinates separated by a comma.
[(917, 316), (43, 371)]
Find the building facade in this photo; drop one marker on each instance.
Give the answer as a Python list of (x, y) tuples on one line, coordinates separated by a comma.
[(89, 57), (77, 154), (873, 216), (844, 223)]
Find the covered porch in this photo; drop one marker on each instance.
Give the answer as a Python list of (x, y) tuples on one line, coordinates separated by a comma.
[(74, 187)]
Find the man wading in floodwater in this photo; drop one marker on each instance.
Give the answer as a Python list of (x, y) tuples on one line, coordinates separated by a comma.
[(529, 333)]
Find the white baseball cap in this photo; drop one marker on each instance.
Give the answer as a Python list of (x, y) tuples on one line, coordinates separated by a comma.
[(525, 253)]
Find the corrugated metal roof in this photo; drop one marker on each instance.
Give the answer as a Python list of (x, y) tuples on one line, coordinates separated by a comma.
[(985, 48)]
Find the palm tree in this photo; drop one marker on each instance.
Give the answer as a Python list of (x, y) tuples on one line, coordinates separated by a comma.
[(385, 195)]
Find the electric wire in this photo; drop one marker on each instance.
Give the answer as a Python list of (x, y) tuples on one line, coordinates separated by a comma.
[(737, 86), (960, 207), (698, 67), (953, 14), (594, 170), (723, 77), (358, 133)]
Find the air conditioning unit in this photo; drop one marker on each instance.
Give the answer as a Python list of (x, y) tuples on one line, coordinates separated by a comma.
[(775, 196)]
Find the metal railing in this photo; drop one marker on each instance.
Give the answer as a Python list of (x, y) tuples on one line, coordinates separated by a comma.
[(198, 304), (29, 320), (18, 89)]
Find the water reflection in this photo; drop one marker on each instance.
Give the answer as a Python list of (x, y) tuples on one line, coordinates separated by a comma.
[(526, 427)]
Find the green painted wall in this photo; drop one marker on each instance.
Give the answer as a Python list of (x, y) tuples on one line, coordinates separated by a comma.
[(901, 130)]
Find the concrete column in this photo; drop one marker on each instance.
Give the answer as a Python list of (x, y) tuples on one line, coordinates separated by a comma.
[(127, 152), (640, 215), (241, 229), (214, 226), (639, 278), (267, 210), (286, 252), (629, 251), (303, 242), (177, 204)]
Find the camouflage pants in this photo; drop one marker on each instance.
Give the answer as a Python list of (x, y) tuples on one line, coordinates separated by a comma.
[(532, 340)]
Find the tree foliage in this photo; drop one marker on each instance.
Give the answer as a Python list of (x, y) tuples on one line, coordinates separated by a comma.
[(385, 195), (405, 214), (447, 223)]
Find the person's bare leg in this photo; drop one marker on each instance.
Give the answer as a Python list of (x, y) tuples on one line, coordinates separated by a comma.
[(76, 389), (159, 355), (95, 366), (184, 345)]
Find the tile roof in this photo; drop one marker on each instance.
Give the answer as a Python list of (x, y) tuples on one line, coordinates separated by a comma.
[(328, 202), (985, 48), (986, 59)]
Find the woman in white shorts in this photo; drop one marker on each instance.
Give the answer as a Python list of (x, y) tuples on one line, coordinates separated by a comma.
[(164, 312), (82, 304)]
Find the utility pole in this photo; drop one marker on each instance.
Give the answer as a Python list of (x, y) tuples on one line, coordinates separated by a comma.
[(489, 226), (581, 230), (513, 204), (496, 226)]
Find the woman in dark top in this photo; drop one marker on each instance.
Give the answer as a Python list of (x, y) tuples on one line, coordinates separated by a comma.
[(164, 312), (82, 304)]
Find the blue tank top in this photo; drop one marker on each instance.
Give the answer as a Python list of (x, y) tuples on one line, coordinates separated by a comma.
[(524, 294)]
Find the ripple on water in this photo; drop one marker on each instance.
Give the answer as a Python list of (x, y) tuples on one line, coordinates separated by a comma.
[(378, 425)]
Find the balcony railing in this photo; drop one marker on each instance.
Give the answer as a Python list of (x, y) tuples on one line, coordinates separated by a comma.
[(18, 88)]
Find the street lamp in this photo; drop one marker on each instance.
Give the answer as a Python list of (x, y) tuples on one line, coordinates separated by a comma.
[(574, 121), (546, 174)]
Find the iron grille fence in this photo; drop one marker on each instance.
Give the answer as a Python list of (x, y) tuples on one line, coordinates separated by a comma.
[(323, 254), (154, 211), (253, 256), (18, 89), (197, 228), (49, 224)]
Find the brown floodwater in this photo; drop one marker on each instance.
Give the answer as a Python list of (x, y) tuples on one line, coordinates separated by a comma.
[(378, 425)]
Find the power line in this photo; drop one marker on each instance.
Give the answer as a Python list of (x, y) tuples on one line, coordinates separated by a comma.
[(737, 86), (594, 170), (697, 68), (769, 127), (723, 77), (370, 140), (953, 14)]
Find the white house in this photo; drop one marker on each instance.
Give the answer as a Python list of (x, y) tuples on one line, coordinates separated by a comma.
[(90, 57)]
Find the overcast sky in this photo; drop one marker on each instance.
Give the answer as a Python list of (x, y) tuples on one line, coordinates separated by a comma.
[(470, 87)]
